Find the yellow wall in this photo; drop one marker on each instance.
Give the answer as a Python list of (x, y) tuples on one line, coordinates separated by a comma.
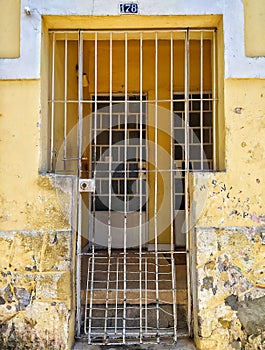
[(35, 224), (27, 199), (254, 11), (236, 197), (227, 239), (9, 28)]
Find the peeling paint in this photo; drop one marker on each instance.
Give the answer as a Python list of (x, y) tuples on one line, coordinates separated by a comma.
[(230, 305), (35, 290)]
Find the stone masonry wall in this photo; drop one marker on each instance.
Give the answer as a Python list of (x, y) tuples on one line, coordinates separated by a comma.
[(230, 287), (35, 289)]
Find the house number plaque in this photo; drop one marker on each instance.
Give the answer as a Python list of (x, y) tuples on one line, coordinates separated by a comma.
[(129, 8)]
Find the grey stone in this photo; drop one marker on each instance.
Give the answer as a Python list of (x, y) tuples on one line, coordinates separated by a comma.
[(207, 282), (23, 297), (232, 301), (251, 314)]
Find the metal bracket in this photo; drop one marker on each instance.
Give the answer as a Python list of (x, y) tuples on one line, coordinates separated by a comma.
[(87, 185)]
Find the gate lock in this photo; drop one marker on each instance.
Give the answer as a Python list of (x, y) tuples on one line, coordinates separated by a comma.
[(87, 185)]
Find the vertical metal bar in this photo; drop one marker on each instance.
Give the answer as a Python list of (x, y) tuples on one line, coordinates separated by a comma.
[(201, 100), (93, 219), (107, 302), (186, 103), (156, 188), (125, 187), (110, 190), (116, 298), (171, 145), (52, 111), (78, 265), (146, 294), (79, 200), (214, 100), (65, 100), (141, 186), (110, 147), (87, 286), (187, 68), (172, 209)]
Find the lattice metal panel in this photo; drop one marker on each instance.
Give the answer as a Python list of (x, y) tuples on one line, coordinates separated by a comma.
[(149, 313)]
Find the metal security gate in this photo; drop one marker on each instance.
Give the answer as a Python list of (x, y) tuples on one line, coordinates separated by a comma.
[(131, 114)]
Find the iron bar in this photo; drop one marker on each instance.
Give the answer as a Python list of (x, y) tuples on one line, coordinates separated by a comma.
[(141, 185), (187, 165), (110, 148), (201, 102), (107, 303), (86, 302), (146, 294), (214, 100), (156, 187), (52, 109), (116, 297), (65, 98), (117, 31), (125, 187), (172, 206), (93, 219), (79, 200)]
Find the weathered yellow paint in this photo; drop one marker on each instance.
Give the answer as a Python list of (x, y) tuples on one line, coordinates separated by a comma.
[(254, 27), (28, 200), (228, 209), (36, 278), (236, 197), (9, 28), (237, 255), (37, 263), (131, 22), (36, 287)]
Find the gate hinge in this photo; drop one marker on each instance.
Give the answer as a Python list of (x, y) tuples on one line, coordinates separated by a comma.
[(87, 185)]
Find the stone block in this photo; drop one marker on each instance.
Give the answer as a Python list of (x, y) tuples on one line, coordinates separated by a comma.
[(23, 249), (53, 287), (230, 284), (56, 251), (5, 247), (41, 326)]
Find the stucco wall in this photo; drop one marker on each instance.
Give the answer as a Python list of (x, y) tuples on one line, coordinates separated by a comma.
[(36, 301), (230, 288), (254, 27), (9, 28), (228, 221), (28, 64), (36, 238)]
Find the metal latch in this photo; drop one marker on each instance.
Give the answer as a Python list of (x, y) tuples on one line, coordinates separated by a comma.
[(87, 185)]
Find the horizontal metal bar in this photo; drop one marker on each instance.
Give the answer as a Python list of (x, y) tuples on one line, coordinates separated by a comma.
[(136, 101), (119, 31)]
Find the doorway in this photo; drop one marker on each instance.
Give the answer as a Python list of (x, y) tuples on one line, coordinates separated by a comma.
[(131, 114)]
